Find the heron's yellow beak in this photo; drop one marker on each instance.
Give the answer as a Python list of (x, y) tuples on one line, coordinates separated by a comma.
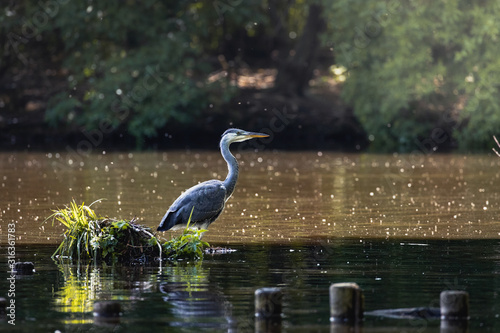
[(257, 135)]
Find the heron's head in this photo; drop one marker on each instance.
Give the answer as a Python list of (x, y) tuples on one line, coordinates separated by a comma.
[(237, 135)]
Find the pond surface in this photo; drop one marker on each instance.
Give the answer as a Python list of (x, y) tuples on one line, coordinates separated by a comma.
[(404, 227)]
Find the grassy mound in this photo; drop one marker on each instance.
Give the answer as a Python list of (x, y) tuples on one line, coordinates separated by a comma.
[(89, 236)]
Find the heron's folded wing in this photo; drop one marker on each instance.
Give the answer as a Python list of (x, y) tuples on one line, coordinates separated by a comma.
[(206, 199)]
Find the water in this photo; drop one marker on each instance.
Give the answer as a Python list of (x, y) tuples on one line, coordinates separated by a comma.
[(217, 294), (403, 227)]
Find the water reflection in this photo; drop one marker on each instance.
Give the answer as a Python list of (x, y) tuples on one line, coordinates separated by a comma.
[(218, 294), (280, 197), (84, 283), (188, 298), (192, 300), (78, 293)]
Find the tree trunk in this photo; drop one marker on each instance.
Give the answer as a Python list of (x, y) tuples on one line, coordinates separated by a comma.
[(295, 72)]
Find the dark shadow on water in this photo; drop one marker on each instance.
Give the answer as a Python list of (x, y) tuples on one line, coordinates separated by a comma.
[(217, 294)]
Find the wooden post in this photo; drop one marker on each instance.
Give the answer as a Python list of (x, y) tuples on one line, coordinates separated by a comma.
[(346, 303), (268, 310), (24, 268), (3, 305), (268, 302), (107, 311), (454, 305)]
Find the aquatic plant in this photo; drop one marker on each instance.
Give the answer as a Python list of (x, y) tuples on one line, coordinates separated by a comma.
[(186, 246), (89, 236), (498, 144)]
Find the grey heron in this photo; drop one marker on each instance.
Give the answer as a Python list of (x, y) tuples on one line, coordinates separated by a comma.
[(206, 200)]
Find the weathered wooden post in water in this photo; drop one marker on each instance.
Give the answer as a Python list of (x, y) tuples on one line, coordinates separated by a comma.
[(24, 268), (3, 305), (454, 305), (346, 303), (107, 311), (268, 310)]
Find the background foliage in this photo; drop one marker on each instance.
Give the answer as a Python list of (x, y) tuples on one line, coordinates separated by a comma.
[(140, 64), (414, 67), (133, 64), (418, 75)]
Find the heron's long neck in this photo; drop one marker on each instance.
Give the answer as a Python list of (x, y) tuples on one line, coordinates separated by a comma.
[(232, 166)]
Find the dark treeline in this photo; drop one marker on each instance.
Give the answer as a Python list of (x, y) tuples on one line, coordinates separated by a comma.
[(392, 75)]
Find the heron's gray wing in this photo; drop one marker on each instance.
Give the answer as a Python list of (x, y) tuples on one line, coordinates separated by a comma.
[(205, 199)]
